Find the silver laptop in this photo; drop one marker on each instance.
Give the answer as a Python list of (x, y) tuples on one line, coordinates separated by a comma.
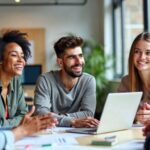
[(118, 113)]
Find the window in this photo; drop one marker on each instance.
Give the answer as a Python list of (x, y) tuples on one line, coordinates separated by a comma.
[(128, 23), (133, 14)]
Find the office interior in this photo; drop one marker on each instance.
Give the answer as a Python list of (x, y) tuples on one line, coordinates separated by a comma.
[(112, 24)]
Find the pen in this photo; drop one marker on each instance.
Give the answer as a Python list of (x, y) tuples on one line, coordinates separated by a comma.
[(46, 145), (28, 146)]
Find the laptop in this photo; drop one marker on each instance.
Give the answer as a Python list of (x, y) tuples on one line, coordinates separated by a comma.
[(118, 113)]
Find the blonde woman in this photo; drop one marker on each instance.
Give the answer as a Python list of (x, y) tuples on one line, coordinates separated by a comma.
[(138, 78)]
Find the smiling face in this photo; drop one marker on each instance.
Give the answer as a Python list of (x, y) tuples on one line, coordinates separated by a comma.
[(141, 56), (13, 59), (72, 62)]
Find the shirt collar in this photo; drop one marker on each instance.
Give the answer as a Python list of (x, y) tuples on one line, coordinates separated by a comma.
[(10, 86)]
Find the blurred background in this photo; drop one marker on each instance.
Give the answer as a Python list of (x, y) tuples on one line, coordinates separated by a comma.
[(107, 26)]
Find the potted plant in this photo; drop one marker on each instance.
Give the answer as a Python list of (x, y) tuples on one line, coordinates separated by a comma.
[(96, 65)]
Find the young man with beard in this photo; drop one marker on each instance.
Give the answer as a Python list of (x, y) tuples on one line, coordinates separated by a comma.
[(69, 93)]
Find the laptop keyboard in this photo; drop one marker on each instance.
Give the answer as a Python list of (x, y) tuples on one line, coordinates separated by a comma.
[(91, 129), (85, 129)]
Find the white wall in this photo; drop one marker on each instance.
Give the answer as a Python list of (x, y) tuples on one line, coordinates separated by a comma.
[(85, 21)]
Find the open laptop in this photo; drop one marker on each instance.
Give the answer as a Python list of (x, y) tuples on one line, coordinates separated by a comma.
[(118, 113)]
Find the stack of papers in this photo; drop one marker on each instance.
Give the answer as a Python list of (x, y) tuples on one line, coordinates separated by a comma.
[(45, 141)]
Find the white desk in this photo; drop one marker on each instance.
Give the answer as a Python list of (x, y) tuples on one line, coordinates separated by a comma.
[(127, 139)]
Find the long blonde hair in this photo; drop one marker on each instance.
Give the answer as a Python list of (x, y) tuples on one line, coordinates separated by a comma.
[(135, 81)]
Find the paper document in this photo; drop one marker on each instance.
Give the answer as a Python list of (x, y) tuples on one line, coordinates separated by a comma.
[(47, 139), (131, 145)]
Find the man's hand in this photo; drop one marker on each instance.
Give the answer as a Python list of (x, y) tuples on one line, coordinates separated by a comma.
[(30, 125), (143, 114), (84, 122)]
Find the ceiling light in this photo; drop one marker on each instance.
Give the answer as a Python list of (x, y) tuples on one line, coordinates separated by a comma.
[(17, 1), (43, 2)]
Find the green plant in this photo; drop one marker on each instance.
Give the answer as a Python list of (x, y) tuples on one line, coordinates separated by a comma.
[(95, 64)]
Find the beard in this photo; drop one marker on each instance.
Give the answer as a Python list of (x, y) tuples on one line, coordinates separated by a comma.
[(72, 73)]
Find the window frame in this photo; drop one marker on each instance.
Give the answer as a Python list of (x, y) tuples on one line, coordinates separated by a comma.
[(146, 23)]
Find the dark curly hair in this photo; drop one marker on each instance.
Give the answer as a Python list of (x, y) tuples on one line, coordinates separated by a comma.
[(67, 42), (17, 37)]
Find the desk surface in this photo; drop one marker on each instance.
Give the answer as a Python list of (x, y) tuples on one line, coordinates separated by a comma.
[(127, 139)]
